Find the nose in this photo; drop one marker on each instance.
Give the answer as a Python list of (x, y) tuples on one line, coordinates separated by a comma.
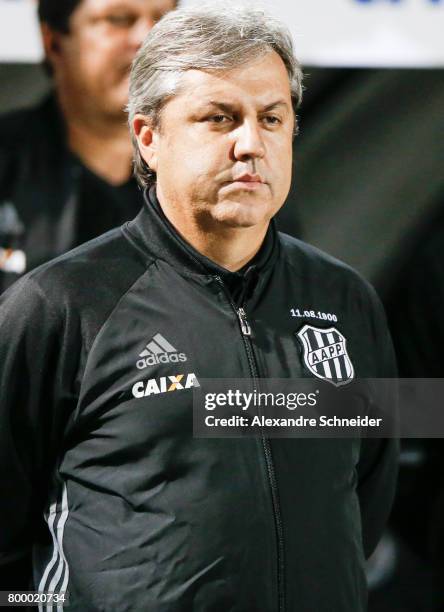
[(248, 143), (139, 31)]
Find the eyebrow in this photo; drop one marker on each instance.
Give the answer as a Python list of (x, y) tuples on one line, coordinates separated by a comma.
[(229, 108), (121, 5), (276, 104)]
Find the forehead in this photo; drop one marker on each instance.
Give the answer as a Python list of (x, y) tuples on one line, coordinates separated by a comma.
[(255, 82), (139, 5)]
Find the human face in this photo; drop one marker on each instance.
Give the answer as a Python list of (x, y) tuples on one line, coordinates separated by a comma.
[(91, 63), (223, 152)]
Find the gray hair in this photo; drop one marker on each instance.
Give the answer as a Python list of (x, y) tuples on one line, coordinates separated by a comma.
[(206, 37)]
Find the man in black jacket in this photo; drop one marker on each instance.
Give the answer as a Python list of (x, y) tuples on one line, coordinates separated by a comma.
[(100, 350), (57, 187)]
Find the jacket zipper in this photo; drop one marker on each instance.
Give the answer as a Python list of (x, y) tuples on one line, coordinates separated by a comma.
[(246, 336), (245, 327)]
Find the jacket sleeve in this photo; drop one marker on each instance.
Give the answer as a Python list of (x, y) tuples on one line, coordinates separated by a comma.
[(33, 397), (379, 457)]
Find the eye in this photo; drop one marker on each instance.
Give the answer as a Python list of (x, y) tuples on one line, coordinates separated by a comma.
[(120, 20), (271, 120), (219, 118)]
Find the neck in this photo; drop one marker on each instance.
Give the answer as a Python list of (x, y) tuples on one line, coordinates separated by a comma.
[(91, 134), (230, 247)]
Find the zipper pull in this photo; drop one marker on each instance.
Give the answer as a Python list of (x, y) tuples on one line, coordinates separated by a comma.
[(246, 329)]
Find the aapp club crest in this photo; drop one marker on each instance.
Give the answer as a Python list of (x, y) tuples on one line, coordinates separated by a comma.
[(325, 354)]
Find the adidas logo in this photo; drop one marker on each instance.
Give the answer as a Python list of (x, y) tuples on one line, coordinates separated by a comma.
[(159, 350)]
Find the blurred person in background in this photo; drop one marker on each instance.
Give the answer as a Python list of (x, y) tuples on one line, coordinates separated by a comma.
[(57, 187)]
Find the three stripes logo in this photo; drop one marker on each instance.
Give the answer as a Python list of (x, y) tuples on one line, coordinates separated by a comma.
[(55, 577), (325, 354), (159, 350)]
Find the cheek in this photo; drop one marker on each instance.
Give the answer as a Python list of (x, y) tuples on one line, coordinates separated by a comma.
[(190, 156), (285, 157), (102, 60), (186, 175), (282, 169), (87, 66)]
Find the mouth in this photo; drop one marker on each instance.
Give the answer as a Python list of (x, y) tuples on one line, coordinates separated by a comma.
[(248, 178), (247, 181)]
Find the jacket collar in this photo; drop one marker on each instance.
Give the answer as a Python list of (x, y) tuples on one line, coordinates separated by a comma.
[(157, 236)]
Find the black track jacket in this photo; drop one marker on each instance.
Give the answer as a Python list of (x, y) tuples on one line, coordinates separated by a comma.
[(108, 489)]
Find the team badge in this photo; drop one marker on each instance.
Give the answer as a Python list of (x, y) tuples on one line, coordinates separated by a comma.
[(325, 354)]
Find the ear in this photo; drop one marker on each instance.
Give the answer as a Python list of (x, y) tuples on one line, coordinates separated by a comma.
[(147, 139), (51, 43)]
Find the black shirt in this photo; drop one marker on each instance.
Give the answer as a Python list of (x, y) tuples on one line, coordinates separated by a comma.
[(49, 201), (103, 206)]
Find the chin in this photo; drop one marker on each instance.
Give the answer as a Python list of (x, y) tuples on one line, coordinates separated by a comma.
[(114, 101), (242, 214), (239, 223), (114, 110)]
